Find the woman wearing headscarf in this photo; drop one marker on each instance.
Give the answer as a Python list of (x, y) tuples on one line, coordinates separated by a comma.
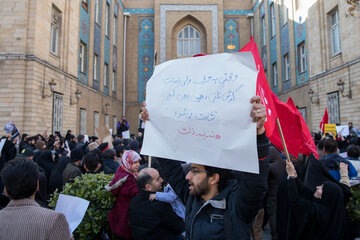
[(124, 187), (47, 162), (320, 215)]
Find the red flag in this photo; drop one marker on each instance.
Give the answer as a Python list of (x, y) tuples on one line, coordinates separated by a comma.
[(309, 144), (291, 128), (325, 120), (262, 88)]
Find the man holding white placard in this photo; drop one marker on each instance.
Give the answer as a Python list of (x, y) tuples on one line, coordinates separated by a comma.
[(221, 204)]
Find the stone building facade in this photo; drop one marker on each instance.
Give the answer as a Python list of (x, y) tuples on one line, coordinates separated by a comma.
[(105, 51)]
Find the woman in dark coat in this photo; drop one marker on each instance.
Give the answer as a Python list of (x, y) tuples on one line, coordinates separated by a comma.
[(46, 161), (320, 215)]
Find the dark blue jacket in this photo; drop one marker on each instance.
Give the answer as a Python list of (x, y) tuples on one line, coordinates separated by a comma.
[(111, 164), (332, 161), (237, 204)]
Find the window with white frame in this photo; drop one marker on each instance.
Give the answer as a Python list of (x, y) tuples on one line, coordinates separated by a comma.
[(97, 11), (114, 124), (335, 33), (303, 113), (275, 74), (106, 74), (55, 30), (285, 12), (263, 25), (287, 67), (96, 122), (113, 82), (188, 41), (115, 31), (273, 20), (302, 57), (96, 67), (107, 120), (82, 121), (333, 108), (82, 57), (107, 19), (57, 117)]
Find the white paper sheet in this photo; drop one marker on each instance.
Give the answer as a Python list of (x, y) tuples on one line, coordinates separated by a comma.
[(126, 134), (199, 111), (2, 143), (344, 130), (74, 209)]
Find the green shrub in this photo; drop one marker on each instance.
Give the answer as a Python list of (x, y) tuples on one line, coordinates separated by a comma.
[(91, 188), (353, 207)]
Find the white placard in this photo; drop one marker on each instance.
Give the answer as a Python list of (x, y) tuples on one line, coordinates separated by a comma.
[(344, 130), (74, 209), (199, 111), (125, 134)]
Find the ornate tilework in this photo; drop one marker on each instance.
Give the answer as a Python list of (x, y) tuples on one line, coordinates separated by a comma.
[(273, 52), (300, 36), (146, 54), (152, 11), (214, 24), (84, 38), (241, 12), (231, 35)]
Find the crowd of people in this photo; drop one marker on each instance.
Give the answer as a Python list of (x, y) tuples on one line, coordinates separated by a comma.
[(303, 198)]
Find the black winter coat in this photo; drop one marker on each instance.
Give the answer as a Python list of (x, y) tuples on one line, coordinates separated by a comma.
[(56, 176), (153, 220)]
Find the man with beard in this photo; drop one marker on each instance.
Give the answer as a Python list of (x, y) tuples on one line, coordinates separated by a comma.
[(220, 203), (152, 219)]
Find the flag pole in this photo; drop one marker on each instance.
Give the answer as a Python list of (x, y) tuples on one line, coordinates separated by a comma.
[(283, 140), (149, 162)]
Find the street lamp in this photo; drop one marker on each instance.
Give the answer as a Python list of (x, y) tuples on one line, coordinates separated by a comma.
[(52, 85), (311, 95)]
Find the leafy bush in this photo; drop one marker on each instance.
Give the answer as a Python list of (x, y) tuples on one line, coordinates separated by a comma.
[(353, 207), (91, 188)]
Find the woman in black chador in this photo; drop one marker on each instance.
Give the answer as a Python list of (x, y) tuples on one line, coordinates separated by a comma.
[(318, 215)]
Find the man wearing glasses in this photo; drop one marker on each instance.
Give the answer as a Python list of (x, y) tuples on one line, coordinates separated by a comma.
[(220, 203)]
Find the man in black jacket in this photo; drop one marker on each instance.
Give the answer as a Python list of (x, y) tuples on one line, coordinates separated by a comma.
[(218, 207), (152, 220)]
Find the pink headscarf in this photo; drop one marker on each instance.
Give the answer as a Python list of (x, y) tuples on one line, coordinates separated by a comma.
[(128, 159)]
